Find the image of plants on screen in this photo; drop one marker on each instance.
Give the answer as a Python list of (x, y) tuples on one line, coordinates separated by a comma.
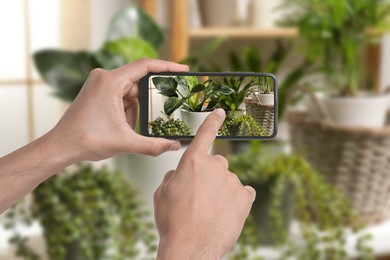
[(179, 104)]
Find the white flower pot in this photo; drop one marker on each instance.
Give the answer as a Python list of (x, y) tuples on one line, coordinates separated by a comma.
[(266, 99), (193, 119), (262, 13), (364, 110), (146, 172), (218, 13)]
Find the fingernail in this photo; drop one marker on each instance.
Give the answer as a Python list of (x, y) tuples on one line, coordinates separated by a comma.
[(220, 112), (174, 147)]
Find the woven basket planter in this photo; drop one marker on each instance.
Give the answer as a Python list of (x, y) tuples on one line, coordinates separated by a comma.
[(355, 160), (263, 114)]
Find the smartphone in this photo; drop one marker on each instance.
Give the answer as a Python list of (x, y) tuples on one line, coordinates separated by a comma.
[(174, 105)]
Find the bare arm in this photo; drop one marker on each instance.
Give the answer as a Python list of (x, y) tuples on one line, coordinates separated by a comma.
[(99, 124)]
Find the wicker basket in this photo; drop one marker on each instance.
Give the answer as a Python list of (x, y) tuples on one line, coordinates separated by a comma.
[(355, 160), (263, 114)]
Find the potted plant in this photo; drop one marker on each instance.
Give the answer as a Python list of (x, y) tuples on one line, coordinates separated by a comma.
[(335, 36), (130, 37), (264, 91), (289, 188), (193, 97), (241, 125), (231, 103), (170, 127), (86, 214), (251, 59)]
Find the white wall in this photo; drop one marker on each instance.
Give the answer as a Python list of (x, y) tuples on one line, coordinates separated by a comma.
[(101, 13)]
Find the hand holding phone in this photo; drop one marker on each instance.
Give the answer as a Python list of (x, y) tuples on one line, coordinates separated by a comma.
[(174, 105)]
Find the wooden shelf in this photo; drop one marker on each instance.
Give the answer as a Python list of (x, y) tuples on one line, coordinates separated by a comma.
[(240, 32)]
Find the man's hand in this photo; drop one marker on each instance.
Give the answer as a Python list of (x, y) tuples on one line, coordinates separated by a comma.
[(200, 208), (100, 123)]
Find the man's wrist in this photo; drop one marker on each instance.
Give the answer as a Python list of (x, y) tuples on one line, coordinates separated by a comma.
[(59, 149), (183, 249)]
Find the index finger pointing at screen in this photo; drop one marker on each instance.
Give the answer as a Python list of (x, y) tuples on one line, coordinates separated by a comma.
[(208, 131)]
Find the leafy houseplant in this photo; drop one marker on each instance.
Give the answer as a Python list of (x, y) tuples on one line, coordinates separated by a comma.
[(265, 90), (191, 95), (187, 92), (335, 34), (290, 187), (241, 125), (264, 84), (132, 35), (231, 102), (252, 59), (86, 214), (170, 127)]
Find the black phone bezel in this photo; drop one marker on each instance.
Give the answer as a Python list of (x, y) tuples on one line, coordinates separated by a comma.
[(144, 103)]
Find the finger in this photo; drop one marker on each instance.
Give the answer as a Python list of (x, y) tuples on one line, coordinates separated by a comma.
[(151, 145), (167, 178), (132, 113), (208, 131), (140, 68), (252, 192), (222, 160)]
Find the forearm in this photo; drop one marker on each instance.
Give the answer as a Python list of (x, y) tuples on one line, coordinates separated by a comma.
[(24, 169)]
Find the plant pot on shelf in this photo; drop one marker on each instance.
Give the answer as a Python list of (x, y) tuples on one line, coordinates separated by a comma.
[(266, 99), (364, 110), (218, 13), (193, 119), (262, 13)]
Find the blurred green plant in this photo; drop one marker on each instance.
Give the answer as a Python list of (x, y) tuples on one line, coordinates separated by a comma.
[(131, 35), (335, 34), (237, 124), (252, 59), (188, 93), (86, 214), (169, 127), (324, 214)]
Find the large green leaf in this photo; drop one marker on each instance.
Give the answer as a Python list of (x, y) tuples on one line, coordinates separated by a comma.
[(166, 85), (191, 81), (130, 49), (223, 90), (198, 88), (109, 60), (172, 104), (134, 22), (64, 71)]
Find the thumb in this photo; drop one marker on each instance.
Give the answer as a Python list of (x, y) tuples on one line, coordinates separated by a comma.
[(151, 145)]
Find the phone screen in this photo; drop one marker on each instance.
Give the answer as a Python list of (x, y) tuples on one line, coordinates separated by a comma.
[(177, 104)]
